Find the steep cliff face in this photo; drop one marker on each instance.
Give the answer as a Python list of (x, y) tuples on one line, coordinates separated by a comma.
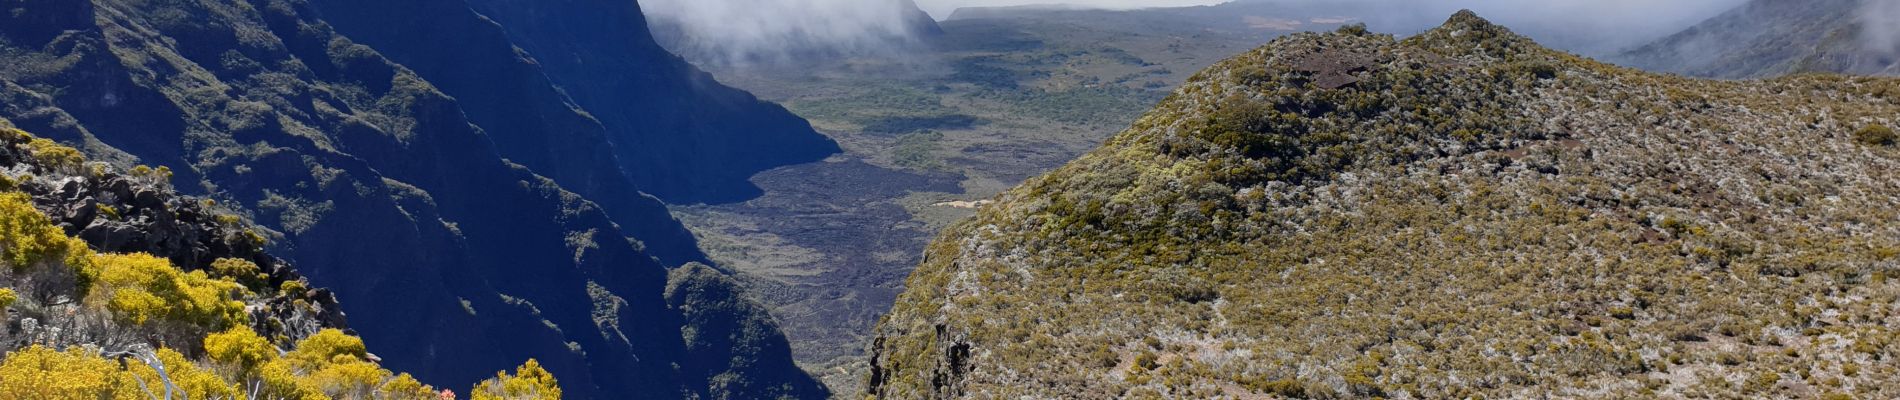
[(732, 340), (921, 23), (1460, 214), (504, 91), (675, 131), (379, 184), (1766, 38)]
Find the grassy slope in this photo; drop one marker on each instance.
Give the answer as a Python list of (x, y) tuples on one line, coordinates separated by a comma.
[(1479, 217)]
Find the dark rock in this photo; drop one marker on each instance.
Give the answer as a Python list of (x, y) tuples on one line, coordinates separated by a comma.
[(150, 226)]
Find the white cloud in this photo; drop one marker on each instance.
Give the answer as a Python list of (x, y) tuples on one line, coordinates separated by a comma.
[(942, 8), (741, 29), (1880, 26)]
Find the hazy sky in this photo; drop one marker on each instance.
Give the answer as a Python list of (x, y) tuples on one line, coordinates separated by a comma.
[(1881, 22)]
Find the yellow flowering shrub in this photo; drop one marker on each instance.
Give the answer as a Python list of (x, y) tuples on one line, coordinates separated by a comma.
[(51, 154), (279, 381), (405, 387), (325, 347), (139, 288), (240, 348), (336, 365), (241, 271), (529, 382), (28, 238), (348, 378), (41, 373), (195, 382)]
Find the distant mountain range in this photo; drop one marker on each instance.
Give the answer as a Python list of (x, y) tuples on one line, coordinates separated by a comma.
[(1766, 38)]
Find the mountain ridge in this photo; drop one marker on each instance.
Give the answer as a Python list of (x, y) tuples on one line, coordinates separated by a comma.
[(1457, 214)]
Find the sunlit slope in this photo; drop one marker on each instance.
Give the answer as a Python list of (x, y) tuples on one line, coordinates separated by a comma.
[(1458, 214)]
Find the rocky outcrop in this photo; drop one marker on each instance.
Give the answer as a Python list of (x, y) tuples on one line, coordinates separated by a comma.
[(116, 212), (732, 341)]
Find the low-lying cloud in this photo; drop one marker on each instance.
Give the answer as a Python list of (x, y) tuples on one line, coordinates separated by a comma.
[(770, 30), (942, 8), (1880, 26)]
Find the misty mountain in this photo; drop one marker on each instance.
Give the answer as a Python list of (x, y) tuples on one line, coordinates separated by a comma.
[(1766, 38), (768, 32), (677, 133), (1462, 213), (415, 193)]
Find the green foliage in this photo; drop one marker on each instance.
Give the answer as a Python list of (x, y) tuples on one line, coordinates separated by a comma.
[(241, 271), (1145, 361), (914, 124), (1078, 105), (984, 71), (1876, 135), (293, 286), (51, 154), (1354, 29), (918, 150)]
